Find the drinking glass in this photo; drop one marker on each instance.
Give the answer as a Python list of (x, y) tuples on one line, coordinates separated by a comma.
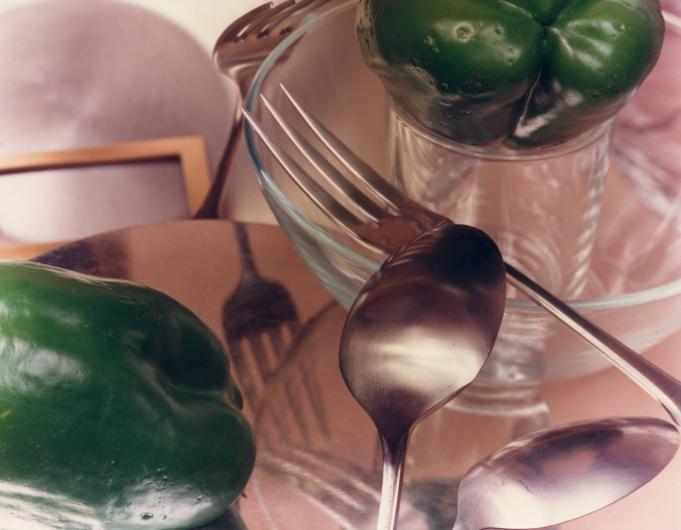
[(540, 206)]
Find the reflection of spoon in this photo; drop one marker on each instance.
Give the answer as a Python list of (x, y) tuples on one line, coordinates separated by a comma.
[(560, 474), (418, 334)]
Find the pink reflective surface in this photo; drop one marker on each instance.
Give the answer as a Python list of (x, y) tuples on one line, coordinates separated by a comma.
[(290, 488)]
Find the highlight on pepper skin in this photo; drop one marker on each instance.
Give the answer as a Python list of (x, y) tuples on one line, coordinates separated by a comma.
[(528, 73), (116, 405)]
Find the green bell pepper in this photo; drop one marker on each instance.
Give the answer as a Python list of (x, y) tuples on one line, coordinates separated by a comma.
[(116, 406), (525, 72)]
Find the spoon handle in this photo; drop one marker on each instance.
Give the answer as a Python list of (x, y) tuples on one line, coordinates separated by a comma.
[(394, 454), (654, 380)]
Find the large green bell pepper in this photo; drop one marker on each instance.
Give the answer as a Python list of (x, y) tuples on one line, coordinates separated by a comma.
[(117, 409), (530, 72)]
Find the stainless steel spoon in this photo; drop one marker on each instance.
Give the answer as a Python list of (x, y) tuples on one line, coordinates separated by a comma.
[(418, 334), (560, 474)]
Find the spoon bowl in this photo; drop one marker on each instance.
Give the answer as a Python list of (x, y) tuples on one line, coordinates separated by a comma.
[(560, 474), (418, 334)]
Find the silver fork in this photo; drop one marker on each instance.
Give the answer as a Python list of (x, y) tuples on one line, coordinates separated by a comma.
[(238, 53), (384, 220), (251, 37)]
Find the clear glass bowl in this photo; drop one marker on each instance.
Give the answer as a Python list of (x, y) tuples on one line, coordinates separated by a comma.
[(633, 288)]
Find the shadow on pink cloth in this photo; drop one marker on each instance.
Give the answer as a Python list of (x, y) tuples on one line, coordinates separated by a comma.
[(79, 73)]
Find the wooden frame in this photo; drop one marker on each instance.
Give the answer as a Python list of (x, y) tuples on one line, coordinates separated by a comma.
[(190, 151)]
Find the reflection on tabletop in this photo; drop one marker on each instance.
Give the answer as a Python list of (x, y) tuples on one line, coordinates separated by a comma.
[(297, 449)]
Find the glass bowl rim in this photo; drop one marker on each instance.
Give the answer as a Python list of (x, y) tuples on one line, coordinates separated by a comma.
[(644, 296)]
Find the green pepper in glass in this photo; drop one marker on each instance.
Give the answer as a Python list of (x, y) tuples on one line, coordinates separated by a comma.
[(524, 72), (117, 409)]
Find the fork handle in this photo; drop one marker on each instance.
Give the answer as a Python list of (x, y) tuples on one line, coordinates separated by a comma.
[(662, 386), (210, 209), (245, 251)]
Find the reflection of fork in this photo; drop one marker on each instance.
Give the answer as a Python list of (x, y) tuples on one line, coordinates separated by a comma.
[(349, 493), (259, 320), (345, 491)]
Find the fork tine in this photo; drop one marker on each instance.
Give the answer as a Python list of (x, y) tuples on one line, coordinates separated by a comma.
[(276, 339), (232, 31), (333, 209), (283, 16), (242, 371), (264, 19), (330, 173), (360, 169), (304, 8)]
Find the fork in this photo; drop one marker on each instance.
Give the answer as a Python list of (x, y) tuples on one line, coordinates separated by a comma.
[(381, 219), (347, 491), (258, 311), (238, 52)]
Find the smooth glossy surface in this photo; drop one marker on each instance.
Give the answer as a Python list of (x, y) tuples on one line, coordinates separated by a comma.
[(560, 474), (418, 334)]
